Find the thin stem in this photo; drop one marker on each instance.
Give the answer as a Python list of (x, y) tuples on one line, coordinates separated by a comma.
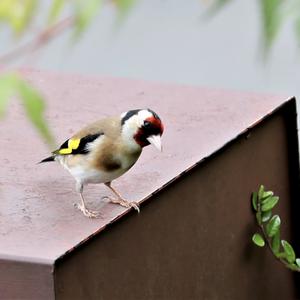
[(39, 41)]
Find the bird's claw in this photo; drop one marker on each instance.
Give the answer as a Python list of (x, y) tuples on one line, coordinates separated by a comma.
[(125, 203), (88, 213), (135, 205)]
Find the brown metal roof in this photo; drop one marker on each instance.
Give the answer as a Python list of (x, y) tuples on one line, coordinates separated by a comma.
[(37, 218)]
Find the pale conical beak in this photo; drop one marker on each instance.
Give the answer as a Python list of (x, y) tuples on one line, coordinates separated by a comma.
[(155, 140)]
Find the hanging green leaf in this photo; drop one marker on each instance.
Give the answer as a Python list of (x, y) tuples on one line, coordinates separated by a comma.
[(34, 106), (55, 10), (254, 200), (261, 191), (266, 216), (7, 86), (273, 226), (17, 13), (289, 251), (272, 20), (123, 7), (258, 240), (269, 203), (84, 13), (216, 6), (270, 229), (276, 243), (12, 85)]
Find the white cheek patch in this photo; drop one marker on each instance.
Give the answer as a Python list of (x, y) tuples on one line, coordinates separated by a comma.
[(143, 115), (131, 127)]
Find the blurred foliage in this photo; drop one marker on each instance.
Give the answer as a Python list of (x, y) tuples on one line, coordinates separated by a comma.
[(13, 85), (274, 15), (18, 15), (263, 202)]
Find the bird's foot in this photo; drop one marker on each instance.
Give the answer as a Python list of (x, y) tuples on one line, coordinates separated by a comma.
[(88, 213), (124, 203)]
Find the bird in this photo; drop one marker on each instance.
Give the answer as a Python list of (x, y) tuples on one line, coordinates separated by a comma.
[(106, 149)]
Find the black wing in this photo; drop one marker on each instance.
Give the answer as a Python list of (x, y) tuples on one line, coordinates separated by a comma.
[(81, 145)]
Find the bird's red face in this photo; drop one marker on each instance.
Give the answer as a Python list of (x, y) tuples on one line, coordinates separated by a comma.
[(150, 132)]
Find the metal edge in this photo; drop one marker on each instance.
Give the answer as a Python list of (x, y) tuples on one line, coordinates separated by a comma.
[(27, 259)]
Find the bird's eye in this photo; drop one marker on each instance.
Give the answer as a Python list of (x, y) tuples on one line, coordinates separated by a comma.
[(147, 124)]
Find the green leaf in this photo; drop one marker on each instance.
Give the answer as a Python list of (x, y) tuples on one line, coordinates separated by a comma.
[(269, 203), (216, 6), (123, 7), (55, 10), (17, 13), (265, 216), (298, 262), (254, 200), (12, 84), (7, 85), (272, 20), (276, 243), (34, 106), (289, 251), (85, 11), (258, 240), (261, 191), (273, 226), (293, 267), (267, 195)]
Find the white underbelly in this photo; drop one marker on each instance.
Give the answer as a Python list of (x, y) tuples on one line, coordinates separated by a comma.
[(88, 175), (94, 176)]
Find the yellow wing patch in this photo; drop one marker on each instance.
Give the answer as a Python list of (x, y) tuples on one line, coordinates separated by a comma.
[(77, 146), (73, 144)]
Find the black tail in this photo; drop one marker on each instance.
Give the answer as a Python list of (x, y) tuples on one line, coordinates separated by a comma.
[(50, 158)]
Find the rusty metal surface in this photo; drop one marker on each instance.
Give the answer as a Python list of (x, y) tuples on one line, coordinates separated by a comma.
[(193, 240), (21, 279), (37, 218)]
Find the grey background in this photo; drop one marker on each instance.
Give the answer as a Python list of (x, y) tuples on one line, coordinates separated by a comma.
[(172, 41)]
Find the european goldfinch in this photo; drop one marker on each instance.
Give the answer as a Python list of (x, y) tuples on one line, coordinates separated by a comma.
[(106, 149)]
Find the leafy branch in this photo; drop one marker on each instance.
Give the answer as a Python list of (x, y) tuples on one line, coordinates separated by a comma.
[(38, 41), (275, 14), (263, 202), (18, 15)]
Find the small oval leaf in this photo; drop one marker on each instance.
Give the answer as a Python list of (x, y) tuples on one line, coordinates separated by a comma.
[(261, 191), (266, 216), (254, 200), (258, 240), (276, 243), (298, 262), (289, 251), (273, 226), (269, 203), (267, 195)]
